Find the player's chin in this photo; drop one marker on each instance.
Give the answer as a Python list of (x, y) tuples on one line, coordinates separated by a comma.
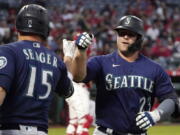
[(123, 49), (123, 46)]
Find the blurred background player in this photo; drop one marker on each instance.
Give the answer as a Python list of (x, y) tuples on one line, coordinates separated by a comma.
[(29, 73), (80, 119), (127, 83)]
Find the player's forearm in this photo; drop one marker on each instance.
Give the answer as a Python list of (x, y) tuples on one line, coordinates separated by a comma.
[(68, 62), (79, 65), (163, 111), (146, 119), (166, 108)]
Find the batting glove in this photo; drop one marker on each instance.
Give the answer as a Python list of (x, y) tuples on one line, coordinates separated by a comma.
[(84, 40), (145, 120), (69, 48)]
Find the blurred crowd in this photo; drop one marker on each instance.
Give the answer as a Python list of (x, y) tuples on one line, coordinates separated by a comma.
[(69, 17)]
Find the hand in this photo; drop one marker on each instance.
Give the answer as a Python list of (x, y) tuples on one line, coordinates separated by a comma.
[(69, 48), (145, 120), (84, 40)]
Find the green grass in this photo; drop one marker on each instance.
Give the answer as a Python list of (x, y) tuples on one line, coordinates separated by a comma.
[(156, 130), (61, 131), (165, 130)]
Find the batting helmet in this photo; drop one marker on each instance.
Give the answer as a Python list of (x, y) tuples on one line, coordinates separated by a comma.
[(131, 23), (33, 19)]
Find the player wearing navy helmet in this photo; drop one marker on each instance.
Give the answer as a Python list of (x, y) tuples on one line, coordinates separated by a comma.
[(29, 73), (127, 83)]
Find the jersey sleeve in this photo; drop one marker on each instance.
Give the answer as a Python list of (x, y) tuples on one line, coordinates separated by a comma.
[(7, 67), (93, 69), (64, 86), (163, 85)]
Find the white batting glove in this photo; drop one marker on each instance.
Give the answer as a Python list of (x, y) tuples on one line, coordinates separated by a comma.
[(145, 120), (84, 40), (69, 48)]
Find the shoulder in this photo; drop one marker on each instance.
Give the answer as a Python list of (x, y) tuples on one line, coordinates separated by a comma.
[(8, 48), (101, 58), (12, 45), (153, 65), (150, 62)]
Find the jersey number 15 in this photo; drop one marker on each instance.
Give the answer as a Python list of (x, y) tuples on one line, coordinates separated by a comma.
[(44, 82)]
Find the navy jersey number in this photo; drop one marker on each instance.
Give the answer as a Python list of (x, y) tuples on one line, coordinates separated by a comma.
[(145, 104), (44, 81)]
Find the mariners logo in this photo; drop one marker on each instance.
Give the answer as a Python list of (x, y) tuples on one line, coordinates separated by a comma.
[(128, 20), (3, 62), (30, 23)]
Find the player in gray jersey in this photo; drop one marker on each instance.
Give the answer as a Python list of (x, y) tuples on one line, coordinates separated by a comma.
[(127, 83), (29, 73)]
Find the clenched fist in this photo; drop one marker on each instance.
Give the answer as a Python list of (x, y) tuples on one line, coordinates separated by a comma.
[(84, 40), (145, 120)]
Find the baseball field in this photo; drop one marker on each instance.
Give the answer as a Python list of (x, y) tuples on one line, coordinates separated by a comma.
[(156, 130)]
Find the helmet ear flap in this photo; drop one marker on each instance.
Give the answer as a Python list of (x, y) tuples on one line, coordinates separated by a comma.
[(138, 43), (136, 46)]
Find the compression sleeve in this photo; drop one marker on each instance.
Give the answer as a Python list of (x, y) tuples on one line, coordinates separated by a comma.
[(166, 108)]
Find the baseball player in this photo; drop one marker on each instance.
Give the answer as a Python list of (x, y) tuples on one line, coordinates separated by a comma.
[(29, 73), (127, 83), (80, 119)]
